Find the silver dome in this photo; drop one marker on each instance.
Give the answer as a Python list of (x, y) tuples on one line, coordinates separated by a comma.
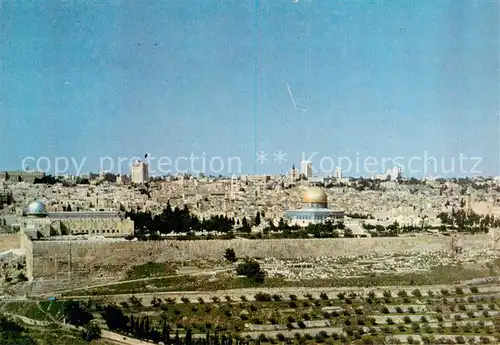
[(36, 208)]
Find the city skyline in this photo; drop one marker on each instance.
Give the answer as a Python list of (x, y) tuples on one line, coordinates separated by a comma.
[(233, 79)]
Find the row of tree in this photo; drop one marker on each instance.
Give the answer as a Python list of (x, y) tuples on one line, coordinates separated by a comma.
[(328, 229), (180, 220), (464, 220), (143, 328), (51, 180)]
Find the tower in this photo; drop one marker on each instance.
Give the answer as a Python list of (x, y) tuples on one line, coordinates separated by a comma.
[(338, 173), (232, 188), (293, 174), (140, 172), (306, 169), (469, 198)]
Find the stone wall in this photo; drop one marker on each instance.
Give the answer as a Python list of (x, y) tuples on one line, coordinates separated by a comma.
[(62, 264), (10, 241)]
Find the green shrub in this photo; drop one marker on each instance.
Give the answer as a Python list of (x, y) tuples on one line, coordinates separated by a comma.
[(416, 293), (252, 270), (445, 292), (262, 297)]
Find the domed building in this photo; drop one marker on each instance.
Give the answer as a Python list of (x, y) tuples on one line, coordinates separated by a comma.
[(315, 197), (315, 209), (39, 222), (36, 209)]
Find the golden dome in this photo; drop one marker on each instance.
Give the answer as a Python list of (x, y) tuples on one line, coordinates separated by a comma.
[(315, 195)]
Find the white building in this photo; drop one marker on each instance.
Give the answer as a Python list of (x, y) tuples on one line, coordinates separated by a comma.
[(394, 173), (140, 173), (306, 169), (338, 173)]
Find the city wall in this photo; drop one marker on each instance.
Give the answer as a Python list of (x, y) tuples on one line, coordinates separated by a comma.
[(63, 264), (10, 241)]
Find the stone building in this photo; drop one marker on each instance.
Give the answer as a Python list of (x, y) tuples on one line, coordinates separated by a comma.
[(24, 176), (140, 173), (37, 221)]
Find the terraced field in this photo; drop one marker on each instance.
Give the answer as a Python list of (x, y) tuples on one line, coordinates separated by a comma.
[(462, 315)]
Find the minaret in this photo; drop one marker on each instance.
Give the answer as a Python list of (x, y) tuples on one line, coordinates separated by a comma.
[(293, 174), (232, 188), (469, 199)]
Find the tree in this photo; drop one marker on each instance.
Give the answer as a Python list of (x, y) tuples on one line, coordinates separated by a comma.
[(245, 227), (116, 320), (76, 313), (165, 334), (230, 255), (251, 269), (348, 232), (91, 332), (257, 218)]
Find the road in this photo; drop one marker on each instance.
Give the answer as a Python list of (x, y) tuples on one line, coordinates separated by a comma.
[(249, 293)]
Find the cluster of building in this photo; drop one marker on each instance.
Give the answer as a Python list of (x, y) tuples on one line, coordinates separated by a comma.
[(97, 208)]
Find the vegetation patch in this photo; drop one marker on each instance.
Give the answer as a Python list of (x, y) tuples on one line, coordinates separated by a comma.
[(151, 269)]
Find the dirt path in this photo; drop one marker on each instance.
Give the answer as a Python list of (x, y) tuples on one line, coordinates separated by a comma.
[(122, 339)]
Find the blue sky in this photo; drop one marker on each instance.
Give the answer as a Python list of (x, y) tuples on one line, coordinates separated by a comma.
[(171, 78)]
